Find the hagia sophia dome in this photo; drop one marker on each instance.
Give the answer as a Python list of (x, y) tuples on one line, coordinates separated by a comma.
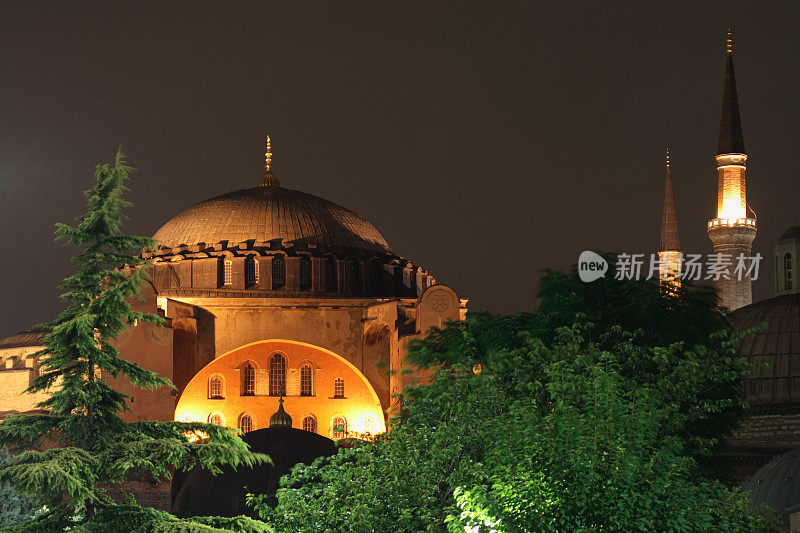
[(266, 213)]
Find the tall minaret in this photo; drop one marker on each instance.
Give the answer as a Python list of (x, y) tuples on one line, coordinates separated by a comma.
[(732, 232), (669, 253)]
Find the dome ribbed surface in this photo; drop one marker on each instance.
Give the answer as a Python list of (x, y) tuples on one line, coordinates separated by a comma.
[(777, 483), (268, 213), (778, 346)]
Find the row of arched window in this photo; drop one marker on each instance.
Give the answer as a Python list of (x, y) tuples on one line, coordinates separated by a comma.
[(252, 276), (277, 380), (247, 423)]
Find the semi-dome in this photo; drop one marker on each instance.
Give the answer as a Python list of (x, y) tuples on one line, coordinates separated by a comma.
[(198, 492), (793, 232), (777, 483), (777, 382), (266, 213)]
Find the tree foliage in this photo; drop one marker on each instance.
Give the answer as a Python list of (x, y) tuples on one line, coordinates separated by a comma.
[(584, 426), (81, 445), (695, 366)]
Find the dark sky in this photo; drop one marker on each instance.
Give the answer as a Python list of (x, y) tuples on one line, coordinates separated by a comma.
[(485, 140)]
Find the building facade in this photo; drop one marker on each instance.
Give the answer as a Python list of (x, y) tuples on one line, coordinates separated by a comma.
[(272, 293)]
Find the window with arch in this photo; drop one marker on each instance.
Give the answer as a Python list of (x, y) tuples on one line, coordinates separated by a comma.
[(278, 272), (227, 272), (305, 273), (356, 280), (248, 380), (217, 419), (339, 427), (338, 388), (306, 380), (787, 271), (310, 424), (216, 387), (369, 424), (277, 375), (246, 423), (330, 275), (251, 274)]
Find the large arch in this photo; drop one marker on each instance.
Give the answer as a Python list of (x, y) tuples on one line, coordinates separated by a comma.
[(359, 403)]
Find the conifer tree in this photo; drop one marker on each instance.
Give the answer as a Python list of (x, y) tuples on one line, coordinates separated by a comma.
[(88, 447)]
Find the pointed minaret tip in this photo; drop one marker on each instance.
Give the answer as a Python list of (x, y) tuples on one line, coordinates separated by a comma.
[(731, 139), (669, 217), (269, 179)]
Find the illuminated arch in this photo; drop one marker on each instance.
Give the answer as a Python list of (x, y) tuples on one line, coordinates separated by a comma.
[(361, 397)]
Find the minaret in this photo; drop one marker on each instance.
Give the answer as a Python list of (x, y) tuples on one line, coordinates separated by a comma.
[(732, 232), (669, 253)]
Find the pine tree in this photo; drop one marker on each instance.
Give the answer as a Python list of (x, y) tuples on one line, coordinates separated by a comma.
[(90, 447)]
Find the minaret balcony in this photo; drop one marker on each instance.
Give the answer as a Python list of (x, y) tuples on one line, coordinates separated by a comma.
[(731, 222)]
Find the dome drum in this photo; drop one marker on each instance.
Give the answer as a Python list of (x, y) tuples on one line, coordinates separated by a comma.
[(299, 270)]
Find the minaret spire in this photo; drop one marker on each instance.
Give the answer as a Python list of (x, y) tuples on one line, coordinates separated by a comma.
[(731, 140), (669, 217), (269, 179), (669, 253)]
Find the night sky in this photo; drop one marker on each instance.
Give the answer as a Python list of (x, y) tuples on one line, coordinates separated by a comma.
[(486, 141)]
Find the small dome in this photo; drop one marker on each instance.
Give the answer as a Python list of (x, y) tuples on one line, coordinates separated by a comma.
[(267, 213), (198, 492), (281, 418), (777, 483), (793, 232)]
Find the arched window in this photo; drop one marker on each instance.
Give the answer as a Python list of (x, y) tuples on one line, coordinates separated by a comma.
[(339, 427), (369, 424), (217, 419), (278, 272), (331, 284), (310, 424), (248, 380), (338, 388), (305, 273), (228, 272), (246, 423), (356, 279), (306, 381), (277, 375), (251, 270), (787, 271), (216, 387)]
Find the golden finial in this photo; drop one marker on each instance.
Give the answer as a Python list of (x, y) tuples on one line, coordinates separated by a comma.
[(729, 40), (667, 157), (269, 179), (268, 154)]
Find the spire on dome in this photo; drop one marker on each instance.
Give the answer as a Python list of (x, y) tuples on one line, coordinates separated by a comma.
[(281, 418), (669, 217), (731, 140), (269, 179)]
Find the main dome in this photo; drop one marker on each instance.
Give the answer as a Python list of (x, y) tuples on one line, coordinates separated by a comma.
[(269, 213)]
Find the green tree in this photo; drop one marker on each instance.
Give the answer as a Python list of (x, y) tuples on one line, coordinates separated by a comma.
[(572, 446), (16, 508), (87, 445), (696, 366)]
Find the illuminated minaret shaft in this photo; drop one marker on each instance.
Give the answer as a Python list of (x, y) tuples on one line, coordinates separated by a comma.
[(669, 253), (732, 232)]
